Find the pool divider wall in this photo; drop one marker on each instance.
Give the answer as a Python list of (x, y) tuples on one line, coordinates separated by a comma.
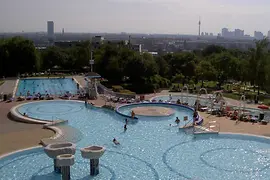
[(117, 110), (15, 88)]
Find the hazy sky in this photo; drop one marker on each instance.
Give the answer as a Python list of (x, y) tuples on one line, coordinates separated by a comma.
[(145, 16)]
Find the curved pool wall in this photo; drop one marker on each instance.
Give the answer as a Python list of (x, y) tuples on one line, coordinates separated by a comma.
[(206, 165), (179, 111)]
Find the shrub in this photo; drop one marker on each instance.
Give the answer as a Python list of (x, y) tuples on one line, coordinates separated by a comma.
[(117, 88), (125, 91)]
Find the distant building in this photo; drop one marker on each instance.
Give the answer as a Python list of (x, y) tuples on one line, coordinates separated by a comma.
[(136, 47), (211, 34), (97, 41), (225, 32), (258, 35), (268, 35), (202, 34), (153, 53), (50, 31), (66, 44), (239, 33)]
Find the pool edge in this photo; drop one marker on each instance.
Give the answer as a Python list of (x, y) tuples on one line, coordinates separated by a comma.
[(19, 151), (170, 104)]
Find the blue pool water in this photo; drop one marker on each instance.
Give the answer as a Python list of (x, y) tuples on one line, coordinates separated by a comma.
[(149, 150), (53, 86)]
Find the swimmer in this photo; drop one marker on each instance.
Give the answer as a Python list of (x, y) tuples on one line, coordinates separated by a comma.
[(116, 142), (24, 114), (177, 120), (125, 127), (126, 121), (172, 125)]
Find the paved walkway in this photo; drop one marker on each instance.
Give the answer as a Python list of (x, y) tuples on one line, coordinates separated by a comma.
[(8, 86), (15, 135)]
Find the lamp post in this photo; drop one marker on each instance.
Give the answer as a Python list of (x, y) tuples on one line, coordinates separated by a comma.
[(91, 61)]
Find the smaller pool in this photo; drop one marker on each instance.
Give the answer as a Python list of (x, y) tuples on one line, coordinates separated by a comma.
[(176, 111), (51, 110), (53, 86)]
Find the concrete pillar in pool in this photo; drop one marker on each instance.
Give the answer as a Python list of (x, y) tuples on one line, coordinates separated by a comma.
[(55, 149), (93, 153), (65, 161)]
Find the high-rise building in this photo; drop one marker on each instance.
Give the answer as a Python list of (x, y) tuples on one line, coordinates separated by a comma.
[(50, 30), (238, 33), (268, 35), (225, 32), (258, 35), (199, 26)]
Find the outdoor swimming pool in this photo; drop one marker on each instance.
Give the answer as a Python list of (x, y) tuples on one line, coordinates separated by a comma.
[(53, 86), (179, 111), (148, 150)]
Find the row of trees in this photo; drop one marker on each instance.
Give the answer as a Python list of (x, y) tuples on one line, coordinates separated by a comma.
[(120, 65)]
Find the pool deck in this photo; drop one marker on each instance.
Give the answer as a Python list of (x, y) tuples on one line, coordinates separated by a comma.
[(8, 86), (16, 135), (153, 111)]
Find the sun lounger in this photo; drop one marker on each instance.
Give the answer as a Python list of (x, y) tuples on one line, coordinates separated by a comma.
[(264, 122), (10, 100), (20, 98)]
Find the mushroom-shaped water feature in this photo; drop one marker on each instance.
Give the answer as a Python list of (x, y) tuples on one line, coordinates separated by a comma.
[(93, 153), (65, 161), (55, 149)]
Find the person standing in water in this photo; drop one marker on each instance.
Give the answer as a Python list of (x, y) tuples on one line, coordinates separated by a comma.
[(133, 114), (125, 127)]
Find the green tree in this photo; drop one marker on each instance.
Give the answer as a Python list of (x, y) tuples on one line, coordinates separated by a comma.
[(205, 71), (258, 63)]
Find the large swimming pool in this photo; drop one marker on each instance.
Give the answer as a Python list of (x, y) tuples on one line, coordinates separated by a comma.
[(148, 150), (53, 86)]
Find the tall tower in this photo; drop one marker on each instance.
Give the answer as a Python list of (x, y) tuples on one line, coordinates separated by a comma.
[(199, 26), (50, 30)]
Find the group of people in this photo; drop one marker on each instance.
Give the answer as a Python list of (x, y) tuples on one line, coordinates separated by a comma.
[(196, 118), (125, 128)]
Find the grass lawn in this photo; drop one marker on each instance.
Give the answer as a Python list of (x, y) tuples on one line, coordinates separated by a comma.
[(1, 82)]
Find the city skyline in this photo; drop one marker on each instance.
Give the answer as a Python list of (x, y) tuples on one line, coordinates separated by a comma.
[(140, 16)]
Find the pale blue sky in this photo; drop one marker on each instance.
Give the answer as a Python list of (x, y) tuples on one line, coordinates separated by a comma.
[(145, 16)]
